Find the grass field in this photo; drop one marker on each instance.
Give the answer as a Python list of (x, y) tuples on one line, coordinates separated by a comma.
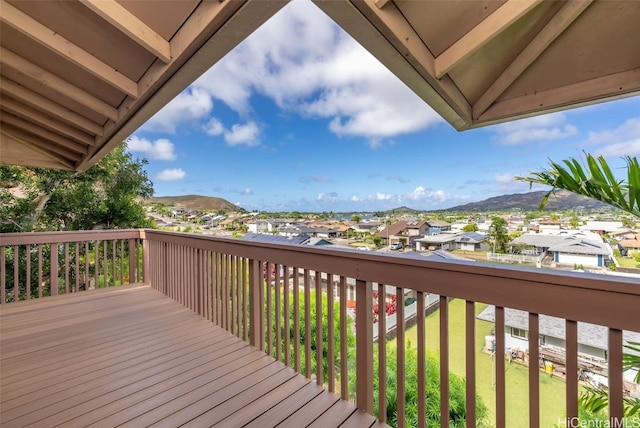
[(552, 390)]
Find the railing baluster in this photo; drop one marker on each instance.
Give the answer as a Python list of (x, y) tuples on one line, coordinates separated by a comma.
[(16, 273), (287, 312), (245, 291), (132, 261), (422, 396), (53, 282), (382, 353), (344, 381), (121, 242), (66, 267), (364, 345), (3, 280), (330, 335), (615, 378), (400, 363), (444, 362), (307, 323), (76, 287), (28, 272), (269, 314), (105, 263), (498, 356), (39, 271), (255, 305), (114, 257), (296, 318), (572, 370), (319, 344), (277, 313), (470, 362), (534, 371), (96, 258)]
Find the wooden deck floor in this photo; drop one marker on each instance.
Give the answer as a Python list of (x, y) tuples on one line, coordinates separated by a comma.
[(130, 356)]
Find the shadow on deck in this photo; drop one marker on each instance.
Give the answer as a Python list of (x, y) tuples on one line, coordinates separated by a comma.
[(131, 356)]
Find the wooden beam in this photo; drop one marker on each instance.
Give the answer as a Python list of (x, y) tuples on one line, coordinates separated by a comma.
[(28, 137), (37, 101), (391, 39), (382, 3), (132, 26), (606, 88), (33, 29), (212, 31), (20, 152), (32, 128), (57, 84), (32, 115), (482, 33), (560, 21)]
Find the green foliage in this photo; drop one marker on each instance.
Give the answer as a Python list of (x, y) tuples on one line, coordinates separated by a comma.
[(457, 411), (593, 179), (498, 234), (471, 227), (104, 196), (377, 241)]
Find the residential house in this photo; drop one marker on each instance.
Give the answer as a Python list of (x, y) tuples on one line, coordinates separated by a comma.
[(471, 241), (443, 241), (602, 227), (631, 245), (547, 225), (567, 249), (592, 338), (436, 227), (402, 230)]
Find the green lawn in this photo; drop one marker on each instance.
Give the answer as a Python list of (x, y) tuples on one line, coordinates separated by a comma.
[(552, 390)]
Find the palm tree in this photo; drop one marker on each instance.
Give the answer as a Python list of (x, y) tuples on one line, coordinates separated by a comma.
[(595, 180)]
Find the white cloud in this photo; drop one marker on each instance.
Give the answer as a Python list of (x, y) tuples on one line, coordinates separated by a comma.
[(189, 106), (306, 64), (247, 191), (172, 174), (619, 142), (214, 127), (161, 149), (243, 134), (535, 129)]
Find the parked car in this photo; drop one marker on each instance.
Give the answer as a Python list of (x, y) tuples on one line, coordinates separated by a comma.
[(397, 246)]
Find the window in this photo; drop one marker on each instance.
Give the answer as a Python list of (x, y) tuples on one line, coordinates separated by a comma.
[(518, 332)]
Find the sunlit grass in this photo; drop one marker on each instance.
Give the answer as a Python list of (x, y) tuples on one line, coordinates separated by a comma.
[(552, 390)]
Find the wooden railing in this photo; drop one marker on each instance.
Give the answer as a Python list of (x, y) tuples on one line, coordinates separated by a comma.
[(35, 265), (266, 294)]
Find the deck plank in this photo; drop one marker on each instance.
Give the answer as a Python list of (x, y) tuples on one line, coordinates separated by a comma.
[(130, 356)]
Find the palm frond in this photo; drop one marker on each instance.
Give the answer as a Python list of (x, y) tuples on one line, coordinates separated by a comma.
[(594, 179)]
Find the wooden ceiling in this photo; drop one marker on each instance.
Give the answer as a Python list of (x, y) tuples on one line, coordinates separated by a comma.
[(78, 77)]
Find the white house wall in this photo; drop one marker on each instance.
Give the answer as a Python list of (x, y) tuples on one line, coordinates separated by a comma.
[(578, 259)]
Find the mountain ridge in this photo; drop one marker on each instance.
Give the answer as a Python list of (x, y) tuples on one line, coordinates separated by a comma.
[(530, 201)]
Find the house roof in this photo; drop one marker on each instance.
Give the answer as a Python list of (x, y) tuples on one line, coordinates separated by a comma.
[(588, 334), (79, 77), (275, 239), (631, 243), (470, 237), (574, 245)]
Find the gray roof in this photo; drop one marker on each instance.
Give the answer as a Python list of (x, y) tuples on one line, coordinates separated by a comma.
[(471, 237), (275, 239), (437, 254), (438, 239), (592, 335), (575, 244)]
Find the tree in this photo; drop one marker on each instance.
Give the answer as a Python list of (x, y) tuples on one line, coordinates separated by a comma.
[(103, 196), (498, 234), (356, 218), (471, 227), (593, 179)]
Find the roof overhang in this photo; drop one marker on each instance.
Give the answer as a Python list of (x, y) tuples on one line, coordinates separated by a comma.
[(79, 77)]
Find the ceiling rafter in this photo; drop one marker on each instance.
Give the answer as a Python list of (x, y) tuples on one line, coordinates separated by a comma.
[(57, 84), (43, 104), (613, 86), (31, 28), (35, 144), (44, 133), (132, 26), (41, 119), (482, 33), (560, 21)]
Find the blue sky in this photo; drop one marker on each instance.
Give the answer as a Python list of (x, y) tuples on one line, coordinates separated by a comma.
[(300, 117)]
